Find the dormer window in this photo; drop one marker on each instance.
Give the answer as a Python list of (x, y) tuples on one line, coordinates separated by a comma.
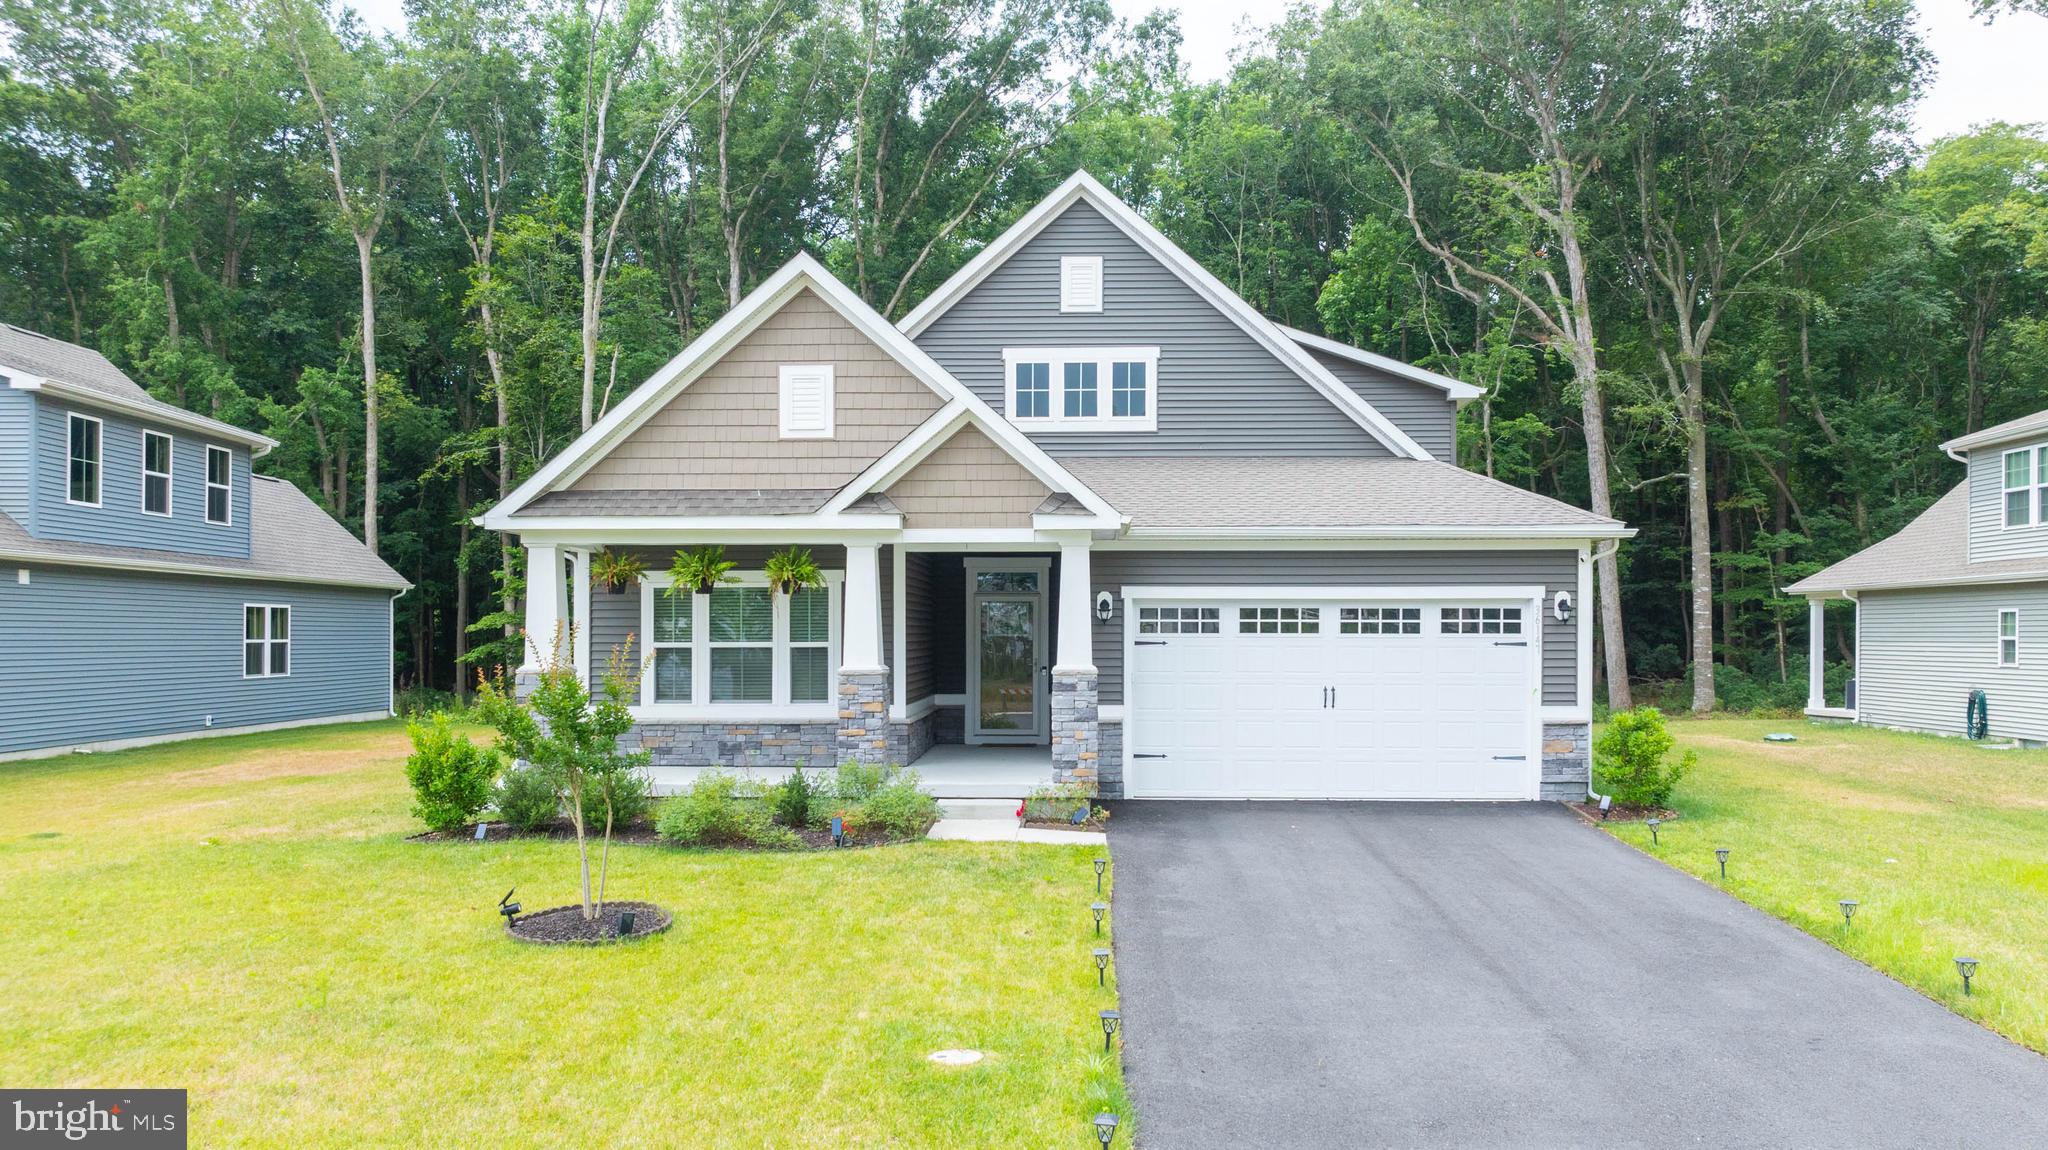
[(1080, 283), (806, 400), (2026, 486), (1082, 388)]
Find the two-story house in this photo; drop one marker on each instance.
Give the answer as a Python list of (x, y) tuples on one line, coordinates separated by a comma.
[(151, 586), (1954, 603), (1083, 507)]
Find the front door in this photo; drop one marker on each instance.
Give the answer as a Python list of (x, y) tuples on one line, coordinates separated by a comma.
[(1006, 667)]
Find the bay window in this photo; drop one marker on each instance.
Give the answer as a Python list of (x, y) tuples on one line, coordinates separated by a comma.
[(1100, 388), (740, 645)]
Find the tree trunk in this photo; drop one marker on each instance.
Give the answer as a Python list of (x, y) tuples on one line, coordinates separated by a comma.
[(363, 251), (1593, 417), (1701, 560)]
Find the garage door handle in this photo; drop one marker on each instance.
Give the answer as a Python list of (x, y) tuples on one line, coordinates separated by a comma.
[(1151, 642), (1515, 644), (1511, 758), (1142, 756)]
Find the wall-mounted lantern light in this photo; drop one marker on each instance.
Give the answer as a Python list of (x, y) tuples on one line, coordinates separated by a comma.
[(1561, 606), (1105, 607)]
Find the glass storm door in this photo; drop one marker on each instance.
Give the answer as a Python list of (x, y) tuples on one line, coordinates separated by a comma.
[(1006, 638)]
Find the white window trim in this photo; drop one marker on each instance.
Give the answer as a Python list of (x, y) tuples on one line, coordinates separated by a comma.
[(290, 661), (2014, 612), (700, 706), (783, 376), (99, 463), (1067, 266), (1056, 359), (170, 484), (206, 505), (2026, 484)]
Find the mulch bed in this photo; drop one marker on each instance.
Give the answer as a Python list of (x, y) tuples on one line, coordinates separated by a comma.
[(1621, 814), (566, 924), (642, 834), (1093, 823)]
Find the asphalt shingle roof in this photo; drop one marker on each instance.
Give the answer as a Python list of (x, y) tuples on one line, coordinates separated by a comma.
[(1310, 491), (293, 539), (1931, 551), (1999, 433), (800, 501), (88, 371)]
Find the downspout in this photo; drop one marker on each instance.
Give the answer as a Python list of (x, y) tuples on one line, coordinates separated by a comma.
[(1593, 796)]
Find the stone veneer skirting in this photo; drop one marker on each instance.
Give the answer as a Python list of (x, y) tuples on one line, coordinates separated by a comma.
[(740, 746), (1109, 769), (1076, 740), (1567, 761)]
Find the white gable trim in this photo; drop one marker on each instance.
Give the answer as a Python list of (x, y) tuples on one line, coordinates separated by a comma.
[(1454, 388), (707, 349), (933, 433), (1081, 185)]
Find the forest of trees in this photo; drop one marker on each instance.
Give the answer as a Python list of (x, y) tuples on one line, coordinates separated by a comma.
[(1689, 247)]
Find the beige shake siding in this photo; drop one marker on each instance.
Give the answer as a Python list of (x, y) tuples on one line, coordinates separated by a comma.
[(968, 482), (722, 431)]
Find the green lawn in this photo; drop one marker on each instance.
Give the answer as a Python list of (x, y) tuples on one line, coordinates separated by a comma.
[(243, 918), (1944, 844)]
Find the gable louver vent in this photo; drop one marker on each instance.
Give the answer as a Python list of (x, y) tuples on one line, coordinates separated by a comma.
[(1080, 283), (806, 400)]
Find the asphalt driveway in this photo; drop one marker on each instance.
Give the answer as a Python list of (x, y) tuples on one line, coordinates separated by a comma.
[(1395, 974)]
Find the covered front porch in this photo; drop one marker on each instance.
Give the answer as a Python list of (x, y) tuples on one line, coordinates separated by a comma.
[(1818, 704), (969, 659)]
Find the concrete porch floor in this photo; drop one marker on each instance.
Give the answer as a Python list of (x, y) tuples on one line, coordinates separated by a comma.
[(948, 771)]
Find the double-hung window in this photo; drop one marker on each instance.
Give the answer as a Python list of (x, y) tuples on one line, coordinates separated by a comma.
[(2009, 638), (1099, 388), (740, 644), (156, 473), (84, 458), (220, 499), (2019, 485), (266, 641)]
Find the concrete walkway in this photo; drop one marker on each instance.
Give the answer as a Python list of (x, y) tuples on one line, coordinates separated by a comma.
[(1397, 974)]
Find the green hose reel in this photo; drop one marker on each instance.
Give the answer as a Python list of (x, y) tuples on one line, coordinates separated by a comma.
[(1977, 719)]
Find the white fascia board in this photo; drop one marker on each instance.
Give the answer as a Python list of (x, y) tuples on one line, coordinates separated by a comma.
[(259, 445), (1457, 389), (933, 433), (2026, 427), (1074, 524), (1080, 185), (1184, 592), (171, 567), (1848, 591), (797, 528), (1576, 533), (1297, 543)]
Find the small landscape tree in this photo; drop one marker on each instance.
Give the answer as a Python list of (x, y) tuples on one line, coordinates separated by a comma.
[(1630, 754)]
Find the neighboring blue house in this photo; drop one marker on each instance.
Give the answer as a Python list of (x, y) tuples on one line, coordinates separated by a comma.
[(151, 587)]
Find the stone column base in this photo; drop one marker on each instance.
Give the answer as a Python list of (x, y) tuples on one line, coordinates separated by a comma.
[(1567, 761), (863, 735), (1076, 733)]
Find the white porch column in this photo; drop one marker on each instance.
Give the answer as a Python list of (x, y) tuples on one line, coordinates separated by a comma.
[(546, 603), (579, 616), (1075, 652), (860, 644), (1816, 654)]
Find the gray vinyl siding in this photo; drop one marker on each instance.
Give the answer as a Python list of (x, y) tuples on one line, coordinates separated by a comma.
[(1426, 413), (119, 519), (1919, 654), (1990, 538), (17, 441), (615, 618), (1554, 570), (96, 655), (1219, 392), (920, 672)]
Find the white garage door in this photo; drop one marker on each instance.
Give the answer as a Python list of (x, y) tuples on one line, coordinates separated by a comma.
[(1282, 698)]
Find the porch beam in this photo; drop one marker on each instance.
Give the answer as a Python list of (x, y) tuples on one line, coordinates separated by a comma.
[(1075, 651), (861, 639)]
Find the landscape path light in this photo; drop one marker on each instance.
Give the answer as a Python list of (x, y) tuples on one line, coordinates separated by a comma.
[(1721, 854), (1653, 824), (1848, 906), (1967, 967), (1100, 866), (1111, 1019), (1105, 1128), (1100, 909), (1101, 967)]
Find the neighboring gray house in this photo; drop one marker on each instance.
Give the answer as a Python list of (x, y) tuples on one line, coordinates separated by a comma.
[(1083, 509), (1955, 602), (151, 587)]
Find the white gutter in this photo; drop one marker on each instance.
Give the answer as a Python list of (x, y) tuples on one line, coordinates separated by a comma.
[(1573, 532), (259, 445), (49, 559)]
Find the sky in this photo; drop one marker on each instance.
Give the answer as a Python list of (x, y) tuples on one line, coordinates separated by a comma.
[(1983, 73)]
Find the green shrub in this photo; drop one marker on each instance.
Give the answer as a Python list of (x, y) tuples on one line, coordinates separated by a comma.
[(631, 801), (1058, 802), (527, 799), (898, 808), (859, 780), (450, 776), (420, 702), (1630, 754), (720, 809), (790, 799)]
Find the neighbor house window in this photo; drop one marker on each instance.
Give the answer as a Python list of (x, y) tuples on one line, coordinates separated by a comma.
[(220, 500), (156, 473), (742, 645), (2008, 638), (85, 461), (1101, 388), (1379, 620), (1032, 397), (266, 641), (1279, 620), (672, 641), (810, 645), (2019, 487), (1482, 620)]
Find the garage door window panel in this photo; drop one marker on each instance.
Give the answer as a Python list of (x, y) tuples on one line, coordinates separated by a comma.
[(1379, 620), (1180, 620), (1279, 620), (1481, 620)]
